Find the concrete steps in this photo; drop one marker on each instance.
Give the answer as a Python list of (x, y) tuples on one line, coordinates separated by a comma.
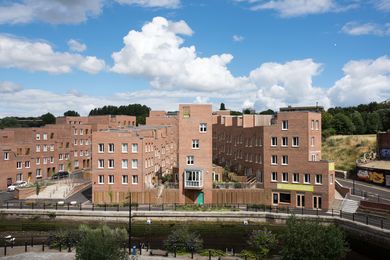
[(350, 206)]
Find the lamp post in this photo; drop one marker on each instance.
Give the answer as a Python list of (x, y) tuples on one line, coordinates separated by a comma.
[(129, 223), (149, 223)]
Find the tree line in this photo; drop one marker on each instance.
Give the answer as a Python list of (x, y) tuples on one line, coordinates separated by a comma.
[(137, 110), (362, 119)]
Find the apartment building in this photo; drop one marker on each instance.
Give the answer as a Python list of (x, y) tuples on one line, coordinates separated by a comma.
[(283, 153), (130, 159), (170, 142), (31, 154)]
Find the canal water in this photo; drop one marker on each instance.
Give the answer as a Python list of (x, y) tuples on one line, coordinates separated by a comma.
[(223, 236)]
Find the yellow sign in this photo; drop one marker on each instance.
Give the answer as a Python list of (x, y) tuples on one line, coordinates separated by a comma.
[(331, 166), (297, 187)]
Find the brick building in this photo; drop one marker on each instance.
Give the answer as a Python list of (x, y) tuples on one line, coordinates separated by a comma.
[(283, 153), (36, 153)]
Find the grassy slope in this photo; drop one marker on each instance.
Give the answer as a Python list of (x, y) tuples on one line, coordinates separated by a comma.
[(345, 149)]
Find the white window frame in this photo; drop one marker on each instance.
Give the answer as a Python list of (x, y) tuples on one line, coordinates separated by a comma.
[(284, 174), (45, 136), (295, 142), (38, 137), (195, 143), (125, 163), (203, 128), (284, 141), (318, 179), (190, 160), (274, 162), (37, 148), (111, 181), (125, 147), (6, 156), (27, 164), (304, 178), (125, 179), (19, 165), (134, 179), (295, 178), (134, 148), (274, 177), (285, 125), (100, 163), (274, 141), (100, 179), (111, 164), (38, 173), (134, 164), (285, 160), (100, 148), (111, 148)]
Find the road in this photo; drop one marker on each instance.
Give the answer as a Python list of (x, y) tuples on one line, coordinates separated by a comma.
[(367, 189)]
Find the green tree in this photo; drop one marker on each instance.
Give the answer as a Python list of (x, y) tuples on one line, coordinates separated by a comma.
[(262, 242), (101, 243), (48, 118), (71, 113), (326, 120), (183, 240), (373, 122), (267, 112), (343, 124), (222, 106), (312, 240), (357, 120)]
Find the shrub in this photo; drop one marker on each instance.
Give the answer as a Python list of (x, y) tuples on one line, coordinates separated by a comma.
[(262, 242), (183, 240), (213, 252)]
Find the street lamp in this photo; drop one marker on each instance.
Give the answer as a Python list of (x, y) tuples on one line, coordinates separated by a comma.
[(129, 223), (149, 223)]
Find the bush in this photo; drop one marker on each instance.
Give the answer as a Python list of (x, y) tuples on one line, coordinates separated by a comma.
[(101, 243), (262, 242), (214, 252), (183, 240)]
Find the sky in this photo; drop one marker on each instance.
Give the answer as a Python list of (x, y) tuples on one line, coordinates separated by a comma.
[(59, 55)]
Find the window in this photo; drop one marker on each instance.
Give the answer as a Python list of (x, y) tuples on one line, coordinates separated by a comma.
[(274, 159), (75, 131), (38, 161), (81, 141), (193, 179), (275, 198), (125, 164), (317, 125), (18, 165), (75, 142), (101, 148), (296, 177), (312, 124), (284, 160), (318, 179), (317, 202), (38, 136), (125, 148), (27, 164), (81, 153), (66, 156), (134, 148), (52, 147), (313, 157), (44, 136), (110, 148), (111, 179), (52, 159), (125, 179), (307, 178), (60, 156), (134, 179), (285, 198), (38, 148), (81, 131), (203, 127), (190, 160), (284, 141), (274, 141), (38, 173), (295, 141), (76, 164), (195, 144), (45, 147), (274, 176), (300, 200), (134, 164), (110, 163), (62, 168), (19, 177), (284, 125), (285, 177), (101, 179), (45, 160), (6, 156), (100, 163), (312, 141)]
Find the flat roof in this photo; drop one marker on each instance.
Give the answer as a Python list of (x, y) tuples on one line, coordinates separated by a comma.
[(383, 165)]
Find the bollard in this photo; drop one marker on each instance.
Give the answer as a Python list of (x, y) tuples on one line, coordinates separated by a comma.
[(5, 250), (43, 247), (209, 254), (60, 247), (25, 246), (174, 251), (69, 248), (192, 254), (32, 241), (105, 207), (140, 249)]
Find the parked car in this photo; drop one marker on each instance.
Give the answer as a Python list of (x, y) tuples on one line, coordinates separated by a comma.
[(17, 185), (60, 175)]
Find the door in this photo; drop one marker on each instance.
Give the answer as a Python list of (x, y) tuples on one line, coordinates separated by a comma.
[(200, 198), (300, 200)]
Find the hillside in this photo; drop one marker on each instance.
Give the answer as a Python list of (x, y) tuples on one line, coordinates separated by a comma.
[(345, 149)]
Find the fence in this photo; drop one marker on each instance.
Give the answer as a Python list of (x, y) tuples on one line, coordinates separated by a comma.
[(373, 220)]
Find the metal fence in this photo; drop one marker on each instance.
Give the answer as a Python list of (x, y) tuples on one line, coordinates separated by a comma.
[(367, 219)]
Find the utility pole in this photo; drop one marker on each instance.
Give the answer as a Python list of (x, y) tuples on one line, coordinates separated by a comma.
[(129, 223)]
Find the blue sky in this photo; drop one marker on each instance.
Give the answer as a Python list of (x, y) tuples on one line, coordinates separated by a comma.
[(57, 55)]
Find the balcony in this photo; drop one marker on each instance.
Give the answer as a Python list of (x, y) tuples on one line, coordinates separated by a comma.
[(193, 179)]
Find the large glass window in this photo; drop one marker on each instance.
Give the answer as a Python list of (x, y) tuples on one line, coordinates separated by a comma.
[(193, 178)]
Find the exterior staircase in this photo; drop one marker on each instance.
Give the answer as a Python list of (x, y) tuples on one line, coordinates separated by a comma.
[(251, 181), (350, 206)]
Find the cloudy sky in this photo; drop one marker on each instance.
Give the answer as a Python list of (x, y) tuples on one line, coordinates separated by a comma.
[(57, 55)]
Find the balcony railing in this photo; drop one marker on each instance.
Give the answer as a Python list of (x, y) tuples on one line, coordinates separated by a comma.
[(193, 184)]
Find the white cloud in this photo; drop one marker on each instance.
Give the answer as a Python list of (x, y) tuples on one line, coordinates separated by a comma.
[(291, 8), (279, 84), (354, 28), (40, 56), (383, 5), (238, 38), (76, 46), (363, 81), (155, 52), (50, 11), (152, 3), (9, 87)]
